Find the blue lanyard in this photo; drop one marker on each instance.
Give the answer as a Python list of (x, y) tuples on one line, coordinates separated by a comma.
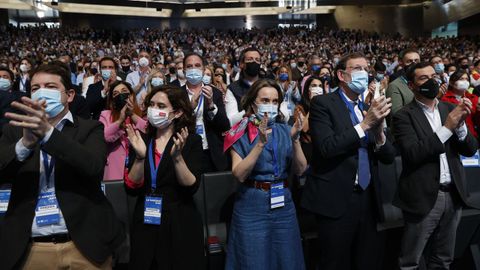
[(351, 109), (153, 169), (276, 166), (48, 167)]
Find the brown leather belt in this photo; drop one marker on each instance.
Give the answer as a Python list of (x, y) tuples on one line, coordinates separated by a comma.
[(266, 186)]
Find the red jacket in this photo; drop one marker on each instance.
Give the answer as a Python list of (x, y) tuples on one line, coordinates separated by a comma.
[(473, 120)]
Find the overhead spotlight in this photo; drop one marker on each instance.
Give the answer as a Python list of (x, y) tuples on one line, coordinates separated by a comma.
[(159, 9), (54, 3), (197, 10), (289, 7), (40, 14)]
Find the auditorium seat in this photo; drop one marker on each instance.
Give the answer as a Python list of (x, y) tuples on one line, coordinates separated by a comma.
[(389, 174), (115, 193)]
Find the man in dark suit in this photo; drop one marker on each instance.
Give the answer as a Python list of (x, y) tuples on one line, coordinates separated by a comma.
[(431, 135), (209, 109), (7, 94), (97, 93), (58, 216), (341, 188)]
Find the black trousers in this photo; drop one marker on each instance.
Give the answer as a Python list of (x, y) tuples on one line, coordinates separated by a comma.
[(351, 241)]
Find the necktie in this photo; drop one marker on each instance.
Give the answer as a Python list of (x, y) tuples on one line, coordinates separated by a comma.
[(363, 163)]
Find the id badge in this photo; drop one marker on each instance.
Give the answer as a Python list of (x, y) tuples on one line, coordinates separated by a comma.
[(153, 210), (47, 211), (4, 199), (473, 161), (277, 195), (199, 130)]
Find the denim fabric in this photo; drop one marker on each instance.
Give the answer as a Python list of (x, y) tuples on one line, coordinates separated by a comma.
[(261, 238), (263, 170)]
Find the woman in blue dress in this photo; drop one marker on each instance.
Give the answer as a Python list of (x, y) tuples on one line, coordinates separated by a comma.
[(264, 233)]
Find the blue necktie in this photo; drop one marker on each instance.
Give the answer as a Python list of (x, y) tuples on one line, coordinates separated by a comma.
[(363, 163)]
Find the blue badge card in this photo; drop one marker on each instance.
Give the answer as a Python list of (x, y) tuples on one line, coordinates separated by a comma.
[(153, 210), (472, 161), (47, 211), (199, 130), (4, 199), (277, 196)]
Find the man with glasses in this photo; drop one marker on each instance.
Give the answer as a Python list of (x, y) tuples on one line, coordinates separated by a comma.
[(398, 89), (431, 135), (348, 139)]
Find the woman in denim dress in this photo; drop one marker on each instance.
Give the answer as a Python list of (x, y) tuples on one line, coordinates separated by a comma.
[(264, 233)]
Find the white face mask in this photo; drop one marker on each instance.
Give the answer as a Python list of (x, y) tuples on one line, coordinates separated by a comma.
[(158, 118), (143, 62), (317, 90), (462, 85), (180, 74)]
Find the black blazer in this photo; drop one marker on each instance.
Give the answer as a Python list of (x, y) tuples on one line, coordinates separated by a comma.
[(80, 152), (420, 148), (334, 163), (214, 130), (16, 86), (95, 101), (6, 99), (181, 224)]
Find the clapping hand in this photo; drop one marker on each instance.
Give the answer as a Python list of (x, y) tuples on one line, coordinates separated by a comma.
[(34, 121), (263, 129), (137, 142), (297, 126), (179, 142)]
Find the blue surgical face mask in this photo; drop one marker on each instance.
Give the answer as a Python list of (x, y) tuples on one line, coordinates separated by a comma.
[(5, 84), (106, 73), (194, 76), (439, 68), (283, 76), (53, 97), (224, 66), (270, 109), (359, 82), (157, 82), (315, 67), (206, 79), (379, 77)]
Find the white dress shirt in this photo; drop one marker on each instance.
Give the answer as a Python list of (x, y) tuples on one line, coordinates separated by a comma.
[(443, 134), (22, 153), (198, 112)]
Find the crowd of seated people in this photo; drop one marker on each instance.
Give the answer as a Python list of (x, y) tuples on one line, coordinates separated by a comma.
[(169, 98)]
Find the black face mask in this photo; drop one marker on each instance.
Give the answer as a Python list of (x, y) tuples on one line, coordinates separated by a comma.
[(171, 70), (252, 69), (120, 100), (94, 71), (464, 67), (327, 79), (429, 89), (300, 64), (126, 68)]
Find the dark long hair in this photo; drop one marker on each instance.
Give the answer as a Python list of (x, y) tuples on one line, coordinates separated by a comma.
[(306, 93), (249, 99), (180, 101), (116, 113), (455, 77)]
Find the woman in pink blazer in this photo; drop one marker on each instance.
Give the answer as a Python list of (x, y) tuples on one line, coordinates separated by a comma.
[(123, 110)]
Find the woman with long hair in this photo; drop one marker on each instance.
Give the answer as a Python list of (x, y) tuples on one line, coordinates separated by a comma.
[(122, 110), (167, 230)]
